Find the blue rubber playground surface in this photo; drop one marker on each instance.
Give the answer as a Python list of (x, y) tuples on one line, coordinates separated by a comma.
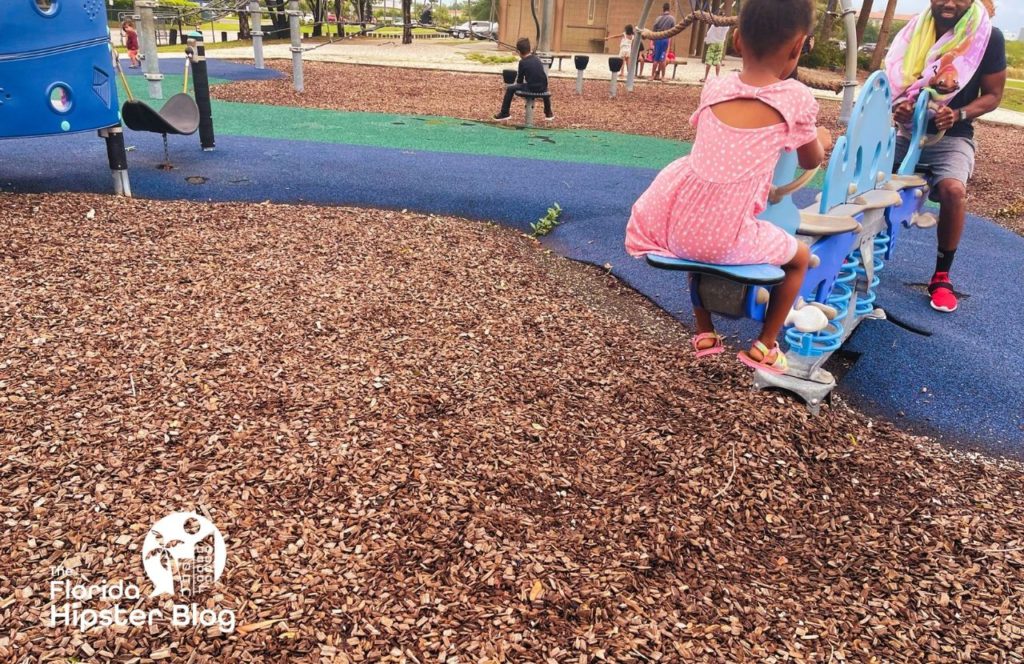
[(957, 377)]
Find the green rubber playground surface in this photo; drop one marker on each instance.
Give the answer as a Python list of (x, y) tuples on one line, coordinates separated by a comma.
[(430, 133), (426, 133)]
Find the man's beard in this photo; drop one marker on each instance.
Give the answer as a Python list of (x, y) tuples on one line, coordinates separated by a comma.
[(946, 24)]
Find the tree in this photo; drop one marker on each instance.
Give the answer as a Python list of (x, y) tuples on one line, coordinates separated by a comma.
[(364, 10), (318, 8), (828, 22), (862, 20), (407, 21), (276, 9), (244, 31), (883, 35)]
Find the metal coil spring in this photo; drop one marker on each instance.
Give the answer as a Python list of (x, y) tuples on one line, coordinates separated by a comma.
[(815, 344), (866, 302)]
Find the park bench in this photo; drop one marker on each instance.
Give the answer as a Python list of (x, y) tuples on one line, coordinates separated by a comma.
[(672, 62), (560, 57)]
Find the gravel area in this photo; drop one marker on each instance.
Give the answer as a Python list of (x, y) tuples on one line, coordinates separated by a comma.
[(427, 439), (653, 109)]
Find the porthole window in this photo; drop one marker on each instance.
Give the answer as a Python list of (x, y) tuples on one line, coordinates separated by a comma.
[(46, 7), (60, 98)]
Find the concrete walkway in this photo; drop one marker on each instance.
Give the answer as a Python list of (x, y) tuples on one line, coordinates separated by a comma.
[(451, 55)]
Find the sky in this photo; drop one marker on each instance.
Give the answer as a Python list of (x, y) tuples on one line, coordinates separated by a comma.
[(1009, 13)]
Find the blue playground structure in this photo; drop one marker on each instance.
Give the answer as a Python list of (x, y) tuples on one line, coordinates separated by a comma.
[(851, 230), (57, 75)]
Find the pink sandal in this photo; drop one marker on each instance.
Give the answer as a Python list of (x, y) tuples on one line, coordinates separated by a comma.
[(714, 349), (772, 361)]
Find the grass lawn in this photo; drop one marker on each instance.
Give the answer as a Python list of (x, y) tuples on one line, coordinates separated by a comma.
[(1013, 97)]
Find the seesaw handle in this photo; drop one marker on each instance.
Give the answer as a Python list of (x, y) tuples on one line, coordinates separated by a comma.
[(778, 193), (932, 140)]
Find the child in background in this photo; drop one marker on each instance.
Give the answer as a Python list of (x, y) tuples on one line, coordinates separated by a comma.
[(625, 47), (704, 207), (131, 42), (532, 78), (715, 52)]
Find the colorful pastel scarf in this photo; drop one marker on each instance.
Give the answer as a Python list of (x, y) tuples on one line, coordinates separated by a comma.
[(917, 61)]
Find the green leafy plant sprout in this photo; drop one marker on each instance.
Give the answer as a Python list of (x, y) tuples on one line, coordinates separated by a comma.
[(547, 223)]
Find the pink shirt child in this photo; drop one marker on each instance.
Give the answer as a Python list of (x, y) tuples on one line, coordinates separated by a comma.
[(704, 206)]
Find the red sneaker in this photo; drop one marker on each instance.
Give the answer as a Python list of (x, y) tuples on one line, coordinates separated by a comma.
[(943, 297)]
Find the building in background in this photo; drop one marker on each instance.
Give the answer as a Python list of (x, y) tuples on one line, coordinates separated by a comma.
[(582, 25)]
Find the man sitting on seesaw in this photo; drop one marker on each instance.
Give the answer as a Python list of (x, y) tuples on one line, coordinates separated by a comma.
[(532, 78)]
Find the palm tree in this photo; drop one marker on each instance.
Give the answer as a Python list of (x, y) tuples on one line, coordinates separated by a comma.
[(883, 35), (407, 21), (862, 19), (165, 557)]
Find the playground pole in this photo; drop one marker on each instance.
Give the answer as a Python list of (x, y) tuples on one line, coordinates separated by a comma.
[(634, 50), (117, 158), (256, 16), (850, 84), (547, 24), (147, 38), (196, 53), (296, 49)]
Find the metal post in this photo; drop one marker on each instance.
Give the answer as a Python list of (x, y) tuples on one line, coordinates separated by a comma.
[(529, 111), (196, 53), (293, 25), (634, 50), (256, 16), (147, 40), (581, 62), (117, 158), (850, 84), (547, 26), (615, 65)]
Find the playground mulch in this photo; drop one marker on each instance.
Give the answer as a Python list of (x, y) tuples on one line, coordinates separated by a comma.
[(653, 109), (426, 438)]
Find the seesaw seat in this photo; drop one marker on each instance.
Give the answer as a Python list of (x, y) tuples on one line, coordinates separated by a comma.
[(755, 275), (826, 225), (180, 115)]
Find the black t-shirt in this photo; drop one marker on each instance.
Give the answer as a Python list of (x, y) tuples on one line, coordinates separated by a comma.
[(531, 70), (993, 62)]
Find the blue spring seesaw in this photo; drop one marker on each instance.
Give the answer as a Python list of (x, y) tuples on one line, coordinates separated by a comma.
[(851, 230)]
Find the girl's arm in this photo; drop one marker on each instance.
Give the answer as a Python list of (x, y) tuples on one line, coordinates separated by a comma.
[(812, 154), (613, 36)]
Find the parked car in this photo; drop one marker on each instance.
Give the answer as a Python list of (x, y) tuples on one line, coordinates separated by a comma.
[(868, 48), (476, 29)]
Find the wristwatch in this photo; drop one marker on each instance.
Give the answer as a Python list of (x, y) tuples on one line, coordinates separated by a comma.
[(963, 115)]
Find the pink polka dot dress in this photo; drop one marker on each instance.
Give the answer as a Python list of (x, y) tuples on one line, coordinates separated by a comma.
[(704, 206)]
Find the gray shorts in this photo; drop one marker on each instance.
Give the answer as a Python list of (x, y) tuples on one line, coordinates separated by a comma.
[(952, 158)]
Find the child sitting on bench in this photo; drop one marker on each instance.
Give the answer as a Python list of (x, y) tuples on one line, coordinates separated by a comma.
[(532, 78), (704, 207)]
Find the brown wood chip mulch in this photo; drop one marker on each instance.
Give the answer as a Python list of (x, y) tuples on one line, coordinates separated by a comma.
[(429, 440), (653, 109)]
